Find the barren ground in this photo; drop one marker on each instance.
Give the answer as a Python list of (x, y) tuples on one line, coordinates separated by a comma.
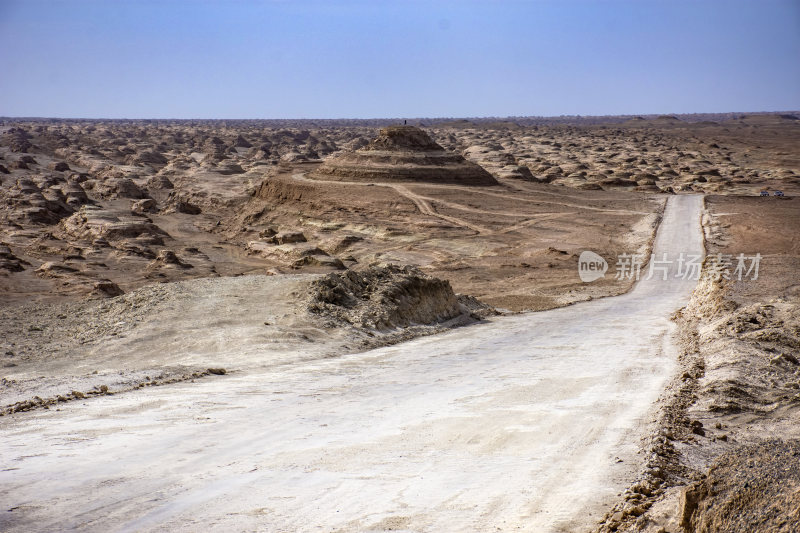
[(138, 260), (729, 433), (513, 424)]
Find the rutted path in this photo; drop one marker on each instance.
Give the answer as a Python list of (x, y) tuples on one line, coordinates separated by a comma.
[(422, 203), (425, 206), (519, 424)]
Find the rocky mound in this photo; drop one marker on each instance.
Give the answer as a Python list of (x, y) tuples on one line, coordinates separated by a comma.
[(403, 153), (754, 488), (389, 297)]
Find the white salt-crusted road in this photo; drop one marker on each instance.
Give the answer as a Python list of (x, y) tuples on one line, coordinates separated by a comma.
[(518, 424)]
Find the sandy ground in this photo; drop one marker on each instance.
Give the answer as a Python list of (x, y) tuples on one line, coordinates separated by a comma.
[(127, 204), (158, 333), (531, 422)]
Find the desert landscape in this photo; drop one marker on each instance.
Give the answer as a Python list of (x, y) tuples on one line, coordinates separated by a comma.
[(248, 325), (434, 266)]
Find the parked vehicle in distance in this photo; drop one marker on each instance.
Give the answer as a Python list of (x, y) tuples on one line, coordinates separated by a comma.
[(764, 193), (778, 193)]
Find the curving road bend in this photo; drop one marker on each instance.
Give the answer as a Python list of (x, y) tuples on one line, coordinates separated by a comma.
[(517, 424)]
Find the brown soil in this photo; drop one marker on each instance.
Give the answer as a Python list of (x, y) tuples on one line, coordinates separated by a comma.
[(514, 247), (729, 419), (751, 488), (403, 154), (122, 217), (96, 215), (389, 297)]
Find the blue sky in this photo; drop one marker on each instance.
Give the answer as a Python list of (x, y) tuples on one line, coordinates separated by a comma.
[(362, 59)]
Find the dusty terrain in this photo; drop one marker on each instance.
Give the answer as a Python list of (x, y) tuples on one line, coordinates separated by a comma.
[(154, 273), (166, 333), (508, 425), (99, 207), (730, 420), (162, 203)]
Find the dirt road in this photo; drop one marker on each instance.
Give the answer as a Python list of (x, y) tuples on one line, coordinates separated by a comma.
[(530, 422)]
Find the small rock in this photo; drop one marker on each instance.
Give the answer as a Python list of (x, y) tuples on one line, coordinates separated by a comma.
[(140, 207), (60, 166), (288, 237), (182, 206), (51, 269), (107, 288), (636, 510), (168, 257), (217, 371)]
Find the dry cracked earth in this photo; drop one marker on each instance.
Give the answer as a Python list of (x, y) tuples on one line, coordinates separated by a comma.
[(107, 224)]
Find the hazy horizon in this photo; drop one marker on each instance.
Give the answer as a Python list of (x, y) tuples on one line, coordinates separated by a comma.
[(279, 60), (476, 117)]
